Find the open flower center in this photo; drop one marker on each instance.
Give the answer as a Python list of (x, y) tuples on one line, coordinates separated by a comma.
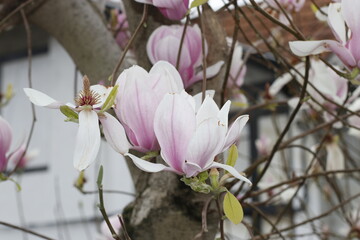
[(87, 96)]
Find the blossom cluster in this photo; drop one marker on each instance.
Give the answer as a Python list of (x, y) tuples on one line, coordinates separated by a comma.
[(153, 113)]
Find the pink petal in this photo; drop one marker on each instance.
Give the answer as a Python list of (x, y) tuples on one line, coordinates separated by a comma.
[(87, 140), (174, 126), (40, 99), (206, 143), (5, 141), (114, 133), (191, 169), (166, 79), (350, 10), (231, 170), (234, 132)]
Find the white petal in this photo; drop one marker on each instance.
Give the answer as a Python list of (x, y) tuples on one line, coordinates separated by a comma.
[(208, 109), (279, 83), (87, 140), (306, 48), (231, 170), (335, 159), (41, 99), (148, 166), (337, 22), (234, 132), (115, 134), (210, 72)]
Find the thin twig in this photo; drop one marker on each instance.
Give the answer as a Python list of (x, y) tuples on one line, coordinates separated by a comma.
[(141, 23), (26, 230)]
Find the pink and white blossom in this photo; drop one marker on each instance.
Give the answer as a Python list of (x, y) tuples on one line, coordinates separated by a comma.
[(139, 95), (88, 105), (5, 143), (172, 9), (164, 43), (190, 139), (346, 46)]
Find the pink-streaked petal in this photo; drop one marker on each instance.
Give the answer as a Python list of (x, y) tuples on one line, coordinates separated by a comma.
[(174, 126), (350, 11), (167, 80), (137, 108), (18, 155), (233, 135), (206, 143), (335, 159), (149, 166), (5, 136), (336, 22), (231, 170), (306, 48), (208, 109), (87, 140), (41, 99), (191, 169), (114, 133)]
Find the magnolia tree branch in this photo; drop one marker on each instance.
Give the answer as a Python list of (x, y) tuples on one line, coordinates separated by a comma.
[(79, 28)]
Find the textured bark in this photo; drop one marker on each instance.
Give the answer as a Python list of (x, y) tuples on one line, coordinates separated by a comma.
[(165, 208), (80, 29)]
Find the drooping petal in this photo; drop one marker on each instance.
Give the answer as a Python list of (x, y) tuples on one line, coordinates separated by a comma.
[(41, 99), (149, 166), (174, 126), (306, 48), (279, 83), (87, 140), (115, 134), (206, 143), (234, 132), (231, 170)]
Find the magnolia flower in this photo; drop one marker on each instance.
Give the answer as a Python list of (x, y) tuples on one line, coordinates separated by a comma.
[(324, 79), (123, 35), (5, 142), (138, 97), (172, 9), (88, 105), (238, 67), (346, 47), (263, 145), (191, 139), (105, 231), (289, 6), (164, 43)]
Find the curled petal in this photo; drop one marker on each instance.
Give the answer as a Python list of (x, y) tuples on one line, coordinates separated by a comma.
[(115, 134), (234, 132), (231, 170), (174, 127), (41, 99), (149, 166), (87, 140)]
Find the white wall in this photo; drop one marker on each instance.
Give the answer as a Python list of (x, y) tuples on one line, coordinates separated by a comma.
[(49, 197)]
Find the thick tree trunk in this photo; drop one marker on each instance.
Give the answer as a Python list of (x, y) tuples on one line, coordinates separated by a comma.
[(165, 208), (81, 30)]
